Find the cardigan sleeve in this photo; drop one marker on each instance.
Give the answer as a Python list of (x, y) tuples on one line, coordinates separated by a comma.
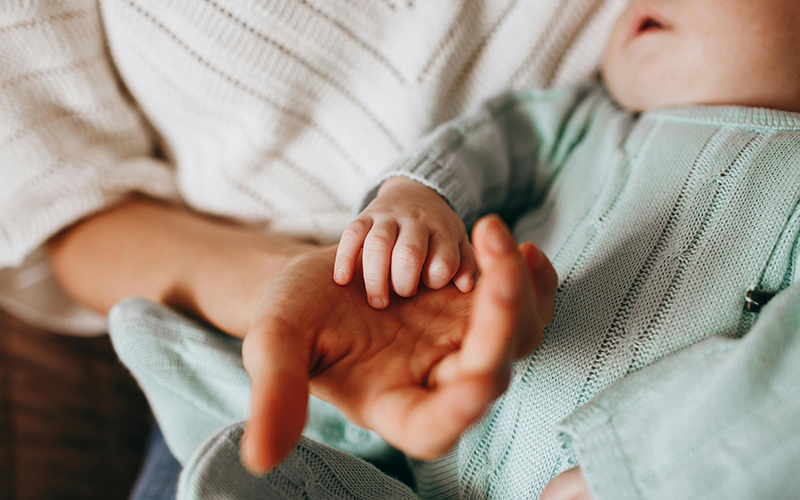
[(72, 142), (718, 420), (501, 156)]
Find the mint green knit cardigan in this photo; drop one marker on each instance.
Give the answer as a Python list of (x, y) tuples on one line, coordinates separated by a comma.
[(653, 378)]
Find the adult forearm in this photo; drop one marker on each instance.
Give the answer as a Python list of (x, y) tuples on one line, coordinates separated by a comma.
[(207, 267)]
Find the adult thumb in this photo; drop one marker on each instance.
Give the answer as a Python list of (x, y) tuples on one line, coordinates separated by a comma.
[(276, 360), (504, 316)]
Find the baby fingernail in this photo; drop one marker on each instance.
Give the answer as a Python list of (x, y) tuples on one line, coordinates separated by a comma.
[(377, 302), (339, 276), (465, 283)]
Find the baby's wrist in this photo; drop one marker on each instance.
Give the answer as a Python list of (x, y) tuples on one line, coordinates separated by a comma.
[(406, 189), (400, 182)]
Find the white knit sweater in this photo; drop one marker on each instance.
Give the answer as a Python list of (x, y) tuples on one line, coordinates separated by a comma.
[(273, 112)]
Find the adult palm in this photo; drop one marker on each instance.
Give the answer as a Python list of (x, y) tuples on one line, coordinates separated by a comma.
[(418, 372)]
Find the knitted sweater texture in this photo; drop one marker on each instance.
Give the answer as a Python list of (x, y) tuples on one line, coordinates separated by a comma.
[(652, 377), (276, 113)]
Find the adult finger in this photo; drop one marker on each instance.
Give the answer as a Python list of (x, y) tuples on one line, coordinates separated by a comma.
[(408, 257), (525, 248), (443, 260), (377, 260), (426, 423), (349, 247), (276, 359), (504, 313), (468, 268), (544, 278), (569, 485)]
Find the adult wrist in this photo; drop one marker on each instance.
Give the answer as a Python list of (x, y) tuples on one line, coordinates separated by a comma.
[(212, 269), (228, 281)]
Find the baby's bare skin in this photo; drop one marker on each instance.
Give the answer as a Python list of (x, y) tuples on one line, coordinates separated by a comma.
[(408, 233), (671, 53)]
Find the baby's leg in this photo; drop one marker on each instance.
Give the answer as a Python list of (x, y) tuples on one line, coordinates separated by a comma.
[(314, 471), (192, 376)]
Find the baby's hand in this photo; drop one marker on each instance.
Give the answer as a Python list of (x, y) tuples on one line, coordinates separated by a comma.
[(407, 231)]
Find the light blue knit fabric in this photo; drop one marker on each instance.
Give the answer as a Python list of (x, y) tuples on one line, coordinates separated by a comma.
[(313, 471), (720, 419), (652, 376), (194, 378)]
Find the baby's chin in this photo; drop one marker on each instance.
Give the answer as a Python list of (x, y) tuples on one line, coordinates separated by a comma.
[(640, 100), (637, 96), (645, 87), (636, 100), (642, 94)]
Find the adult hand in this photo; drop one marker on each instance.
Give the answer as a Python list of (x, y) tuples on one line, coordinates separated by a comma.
[(569, 485), (419, 372)]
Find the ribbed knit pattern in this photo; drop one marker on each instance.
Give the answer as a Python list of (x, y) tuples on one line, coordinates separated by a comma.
[(273, 112), (657, 225), (70, 141)]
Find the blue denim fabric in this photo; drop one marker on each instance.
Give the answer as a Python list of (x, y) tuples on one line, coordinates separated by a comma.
[(158, 479)]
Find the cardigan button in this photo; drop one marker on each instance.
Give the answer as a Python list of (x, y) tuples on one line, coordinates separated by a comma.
[(756, 299)]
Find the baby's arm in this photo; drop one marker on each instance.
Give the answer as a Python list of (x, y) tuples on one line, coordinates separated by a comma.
[(499, 158), (407, 231)]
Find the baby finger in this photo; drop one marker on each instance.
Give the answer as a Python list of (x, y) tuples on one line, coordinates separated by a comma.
[(468, 270), (377, 259), (408, 257), (443, 260), (349, 247)]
